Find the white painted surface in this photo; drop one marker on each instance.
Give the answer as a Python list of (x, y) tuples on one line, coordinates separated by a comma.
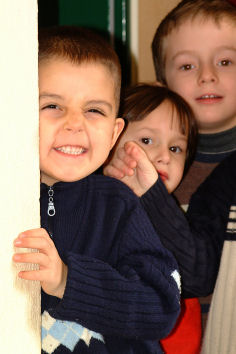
[(19, 174), (134, 38)]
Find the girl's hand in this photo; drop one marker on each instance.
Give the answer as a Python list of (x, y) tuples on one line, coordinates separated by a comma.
[(52, 272), (131, 165)]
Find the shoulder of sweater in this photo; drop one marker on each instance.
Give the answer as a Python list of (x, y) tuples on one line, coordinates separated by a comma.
[(226, 169), (109, 186)]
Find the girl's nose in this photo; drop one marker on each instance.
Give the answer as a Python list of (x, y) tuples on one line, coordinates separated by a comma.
[(162, 155)]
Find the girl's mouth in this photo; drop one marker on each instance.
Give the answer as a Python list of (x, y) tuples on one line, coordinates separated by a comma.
[(163, 175)]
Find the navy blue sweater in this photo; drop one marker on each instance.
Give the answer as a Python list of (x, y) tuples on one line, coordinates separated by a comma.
[(121, 292), (197, 243)]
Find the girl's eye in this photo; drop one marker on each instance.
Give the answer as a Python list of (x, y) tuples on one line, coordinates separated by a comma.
[(175, 149), (187, 67), (146, 141), (225, 62)]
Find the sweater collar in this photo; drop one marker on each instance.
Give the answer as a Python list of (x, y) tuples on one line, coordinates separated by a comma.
[(217, 143)]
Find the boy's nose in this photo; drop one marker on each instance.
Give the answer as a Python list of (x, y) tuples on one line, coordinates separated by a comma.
[(207, 74), (74, 122)]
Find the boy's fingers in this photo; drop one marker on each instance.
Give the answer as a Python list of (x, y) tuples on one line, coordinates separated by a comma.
[(33, 257), (40, 232), (31, 275), (40, 243)]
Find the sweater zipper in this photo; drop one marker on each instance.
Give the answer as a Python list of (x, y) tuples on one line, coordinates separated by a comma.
[(51, 210)]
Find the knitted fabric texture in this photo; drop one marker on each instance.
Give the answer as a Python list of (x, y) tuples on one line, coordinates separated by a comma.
[(122, 292)]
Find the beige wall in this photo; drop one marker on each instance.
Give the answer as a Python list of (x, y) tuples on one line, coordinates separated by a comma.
[(145, 17), (19, 177)]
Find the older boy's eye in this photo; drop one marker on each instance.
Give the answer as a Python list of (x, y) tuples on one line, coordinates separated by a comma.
[(146, 141), (225, 62), (187, 67), (175, 149)]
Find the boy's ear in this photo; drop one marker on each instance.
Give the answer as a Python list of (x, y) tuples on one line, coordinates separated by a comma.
[(118, 127)]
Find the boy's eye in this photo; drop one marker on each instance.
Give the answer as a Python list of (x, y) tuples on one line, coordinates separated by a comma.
[(225, 62), (97, 111), (175, 149), (51, 106), (146, 141), (187, 67)]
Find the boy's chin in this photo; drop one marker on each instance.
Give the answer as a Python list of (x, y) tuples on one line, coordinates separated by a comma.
[(52, 179)]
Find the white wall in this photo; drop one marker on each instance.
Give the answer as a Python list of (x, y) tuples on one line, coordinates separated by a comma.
[(19, 171), (145, 16)]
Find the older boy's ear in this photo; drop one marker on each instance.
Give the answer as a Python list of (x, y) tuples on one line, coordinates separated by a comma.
[(158, 83), (118, 127)]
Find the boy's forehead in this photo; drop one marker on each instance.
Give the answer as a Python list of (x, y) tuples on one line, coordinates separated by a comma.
[(61, 78), (190, 31), (59, 69)]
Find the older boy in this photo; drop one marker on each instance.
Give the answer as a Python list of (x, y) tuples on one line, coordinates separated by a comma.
[(109, 286), (194, 54)]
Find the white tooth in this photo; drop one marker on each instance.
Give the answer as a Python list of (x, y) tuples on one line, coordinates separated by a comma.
[(208, 96), (70, 150)]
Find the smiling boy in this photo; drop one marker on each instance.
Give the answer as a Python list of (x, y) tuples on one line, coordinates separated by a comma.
[(108, 284)]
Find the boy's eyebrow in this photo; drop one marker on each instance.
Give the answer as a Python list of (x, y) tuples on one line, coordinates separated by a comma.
[(97, 102), (183, 52), (50, 95)]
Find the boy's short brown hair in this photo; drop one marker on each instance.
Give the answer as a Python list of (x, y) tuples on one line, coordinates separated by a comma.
[(187, 10), (79, 45), (140, 100)]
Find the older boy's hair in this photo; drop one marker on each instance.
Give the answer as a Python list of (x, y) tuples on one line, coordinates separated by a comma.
[(185, 10), (140, 100), (79, 45)]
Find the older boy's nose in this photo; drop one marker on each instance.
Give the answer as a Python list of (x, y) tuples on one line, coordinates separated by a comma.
[(74, 122), (207, 74)]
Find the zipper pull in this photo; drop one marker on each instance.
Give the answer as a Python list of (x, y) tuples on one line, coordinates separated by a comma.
[(51, 207)]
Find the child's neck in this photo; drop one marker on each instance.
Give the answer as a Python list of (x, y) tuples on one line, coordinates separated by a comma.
[(48, 180)]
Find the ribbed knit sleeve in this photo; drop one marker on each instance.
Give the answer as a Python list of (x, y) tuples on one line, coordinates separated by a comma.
[(196, 246), (137, 297)]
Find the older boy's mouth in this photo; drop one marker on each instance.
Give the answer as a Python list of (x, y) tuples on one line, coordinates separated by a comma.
[(70, 150), (209, 98)]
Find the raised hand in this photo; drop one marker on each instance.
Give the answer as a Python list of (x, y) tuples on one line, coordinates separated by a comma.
[(131, 165), (51, 272)]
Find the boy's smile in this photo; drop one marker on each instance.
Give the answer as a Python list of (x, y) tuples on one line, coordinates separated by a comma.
[(200, 58), (77, 119)]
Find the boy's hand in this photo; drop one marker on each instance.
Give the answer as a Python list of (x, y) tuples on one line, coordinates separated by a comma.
[(52, 272), (131, 165)]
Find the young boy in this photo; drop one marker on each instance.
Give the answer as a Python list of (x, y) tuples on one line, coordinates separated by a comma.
[(108, 284)]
